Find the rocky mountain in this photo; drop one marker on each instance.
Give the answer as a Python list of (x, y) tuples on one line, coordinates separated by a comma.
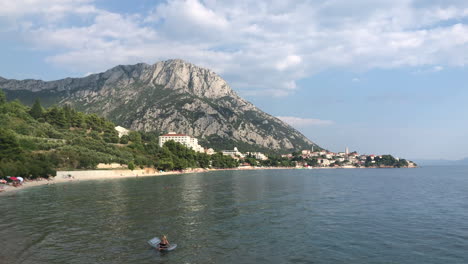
[(170, 95)]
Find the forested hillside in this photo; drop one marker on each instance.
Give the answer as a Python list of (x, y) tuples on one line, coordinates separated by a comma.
[(35, 142)]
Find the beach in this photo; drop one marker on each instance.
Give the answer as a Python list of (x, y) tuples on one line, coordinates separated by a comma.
[(86, 175)]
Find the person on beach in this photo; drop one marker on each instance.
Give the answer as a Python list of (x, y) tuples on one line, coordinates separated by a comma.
[(164, 244)]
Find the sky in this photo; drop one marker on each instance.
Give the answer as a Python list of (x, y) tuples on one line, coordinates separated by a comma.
[(377, 76)]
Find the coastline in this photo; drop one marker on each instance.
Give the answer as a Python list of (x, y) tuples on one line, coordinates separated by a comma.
[(85, 175)]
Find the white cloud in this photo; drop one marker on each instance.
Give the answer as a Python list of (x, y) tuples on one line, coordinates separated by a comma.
[(288, 62), (191, 11), (304, 122), (433, 69), (260, 47), (50, 10)]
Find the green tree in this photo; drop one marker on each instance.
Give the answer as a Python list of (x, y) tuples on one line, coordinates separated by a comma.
[(180, 163), (56, 116), (9, 146), (134, 137), (94, 122), (251, 161), (131, 165), (78, 120), (203, 160), (124, 139), (36, 110), (402, 163), (111, 137), (2, 97), (165, 164)]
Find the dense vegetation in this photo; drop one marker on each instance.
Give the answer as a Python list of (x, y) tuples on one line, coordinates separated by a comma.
[(386, 161), (34, 142)]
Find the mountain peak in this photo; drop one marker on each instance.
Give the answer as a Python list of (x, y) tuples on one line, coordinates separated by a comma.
[(176, 61), (180, 75), (171, 95)]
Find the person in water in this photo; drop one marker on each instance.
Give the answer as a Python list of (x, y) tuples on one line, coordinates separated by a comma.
[(164, 244)]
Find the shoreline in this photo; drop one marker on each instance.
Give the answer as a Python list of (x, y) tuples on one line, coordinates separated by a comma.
[(86, 175)]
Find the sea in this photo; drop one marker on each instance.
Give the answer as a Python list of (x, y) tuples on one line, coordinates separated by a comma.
[(347, 216)]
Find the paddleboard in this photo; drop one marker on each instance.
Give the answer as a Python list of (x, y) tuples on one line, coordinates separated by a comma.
[(154, 242)]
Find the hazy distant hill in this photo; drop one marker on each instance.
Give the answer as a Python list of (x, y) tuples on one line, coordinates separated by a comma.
[(441, 162), (171, 95)]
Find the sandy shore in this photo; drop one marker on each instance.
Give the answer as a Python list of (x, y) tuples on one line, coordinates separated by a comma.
[(73, 176)]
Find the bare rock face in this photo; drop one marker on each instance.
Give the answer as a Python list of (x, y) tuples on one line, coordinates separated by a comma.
[(170, 95)]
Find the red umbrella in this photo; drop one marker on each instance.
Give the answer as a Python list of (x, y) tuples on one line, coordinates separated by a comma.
[(13, 178)]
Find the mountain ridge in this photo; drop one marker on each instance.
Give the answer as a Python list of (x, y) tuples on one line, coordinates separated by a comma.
[(171, 95)]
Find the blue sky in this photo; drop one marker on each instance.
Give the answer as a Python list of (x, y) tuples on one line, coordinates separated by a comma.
[(384, 76)]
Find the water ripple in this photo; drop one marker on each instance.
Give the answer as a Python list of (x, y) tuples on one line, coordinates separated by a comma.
[(296, 216)]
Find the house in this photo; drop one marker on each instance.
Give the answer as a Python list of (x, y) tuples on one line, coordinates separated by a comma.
[(209, 151), (122, 131), (323, 162)]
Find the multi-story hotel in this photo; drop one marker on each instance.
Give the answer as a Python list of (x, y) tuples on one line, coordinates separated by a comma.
[(183, 139)]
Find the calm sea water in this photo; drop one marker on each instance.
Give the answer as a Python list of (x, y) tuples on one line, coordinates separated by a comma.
[(272, 216)]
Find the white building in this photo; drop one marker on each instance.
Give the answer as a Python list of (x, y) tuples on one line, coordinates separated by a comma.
[(122, 131), (258, 155), (233, 153), (209, 151), (323, 162), (186, 140)]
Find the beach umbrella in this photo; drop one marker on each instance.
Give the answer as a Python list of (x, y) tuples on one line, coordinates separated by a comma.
[(20, 179)]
